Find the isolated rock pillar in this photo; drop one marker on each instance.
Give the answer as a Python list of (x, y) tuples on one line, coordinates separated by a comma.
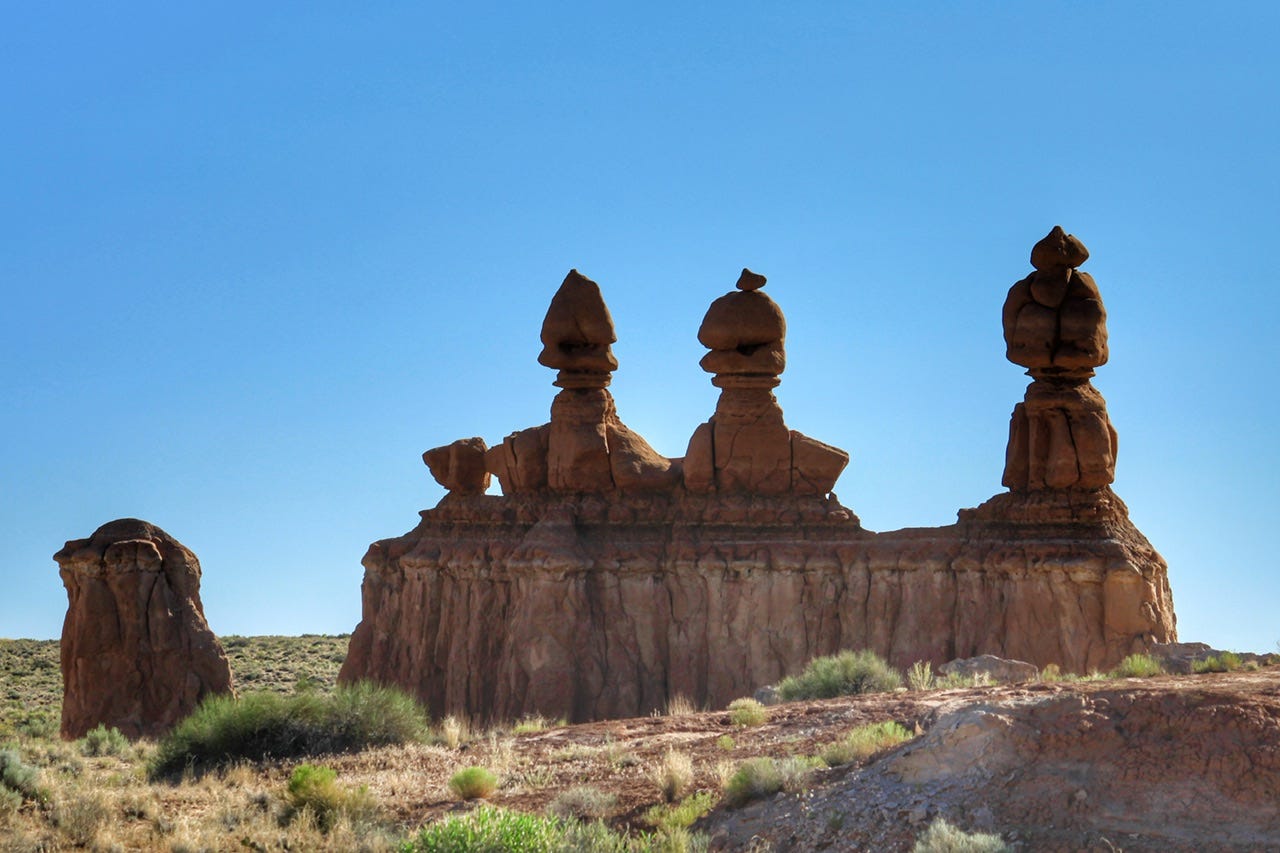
[(137, 653)]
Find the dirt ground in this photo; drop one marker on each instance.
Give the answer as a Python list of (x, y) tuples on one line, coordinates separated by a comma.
[(1169, 763)]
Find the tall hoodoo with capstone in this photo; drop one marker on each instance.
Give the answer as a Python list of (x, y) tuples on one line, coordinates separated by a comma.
[(585, 447), (1056, 326), (746, 446)]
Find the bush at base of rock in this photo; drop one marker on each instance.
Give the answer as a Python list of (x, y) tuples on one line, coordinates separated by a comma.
[(843, 674), (267, 725)]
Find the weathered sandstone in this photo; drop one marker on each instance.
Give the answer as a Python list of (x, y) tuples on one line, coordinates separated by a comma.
[(1055, 325), (608, 579), (137, 653)]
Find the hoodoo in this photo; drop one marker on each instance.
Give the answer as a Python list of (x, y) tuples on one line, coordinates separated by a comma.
[(607, 579), (137, 653)]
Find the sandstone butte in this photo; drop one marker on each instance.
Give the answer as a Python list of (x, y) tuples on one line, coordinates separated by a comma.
[(137, 653), (607, 579)]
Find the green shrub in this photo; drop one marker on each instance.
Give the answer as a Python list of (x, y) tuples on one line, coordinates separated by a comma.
[(104, 741), (864, 742), (1138, 666), (224, 730), (942, 837), (471, 783), (490, 829), (747, 712), (680, 815), (18, 777), (754, 778), (796, 771), (1225, 662), (844, 674), (726, 743), (493, 830), (315, 789), (920, 675), (582, 802)]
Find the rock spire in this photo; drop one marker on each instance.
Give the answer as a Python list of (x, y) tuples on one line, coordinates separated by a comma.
[(1056, 326), (746, 446)]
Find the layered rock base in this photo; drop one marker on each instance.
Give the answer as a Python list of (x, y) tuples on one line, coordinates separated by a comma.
[(498, 608), (608, 579)]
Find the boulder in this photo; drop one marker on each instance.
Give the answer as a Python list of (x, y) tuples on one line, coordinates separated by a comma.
[(137, 653), (991, 667)]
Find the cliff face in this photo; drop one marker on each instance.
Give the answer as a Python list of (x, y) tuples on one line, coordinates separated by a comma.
[(592, 612), (608, 579)]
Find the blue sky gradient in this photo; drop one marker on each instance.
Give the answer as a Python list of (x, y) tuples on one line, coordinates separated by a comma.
[(257, 258)]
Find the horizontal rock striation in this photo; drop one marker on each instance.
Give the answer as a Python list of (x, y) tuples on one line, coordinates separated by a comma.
[(498, 608)]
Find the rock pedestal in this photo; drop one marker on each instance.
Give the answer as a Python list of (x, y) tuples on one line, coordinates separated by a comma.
[(137, 653)]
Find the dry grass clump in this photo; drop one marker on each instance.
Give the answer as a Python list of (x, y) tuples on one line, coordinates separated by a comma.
[(454, 731), (920, 676), (673, 775), (942, 837), (535, 723), (583, 802), (680, 705)]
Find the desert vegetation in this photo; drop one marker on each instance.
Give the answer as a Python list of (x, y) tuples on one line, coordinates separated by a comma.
[(298, 762)]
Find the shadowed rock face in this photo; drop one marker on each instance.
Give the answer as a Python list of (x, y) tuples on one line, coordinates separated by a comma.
[(137, 653), (607, 579), (1056, 326)]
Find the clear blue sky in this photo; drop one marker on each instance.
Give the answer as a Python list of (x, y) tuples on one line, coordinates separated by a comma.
[(257, 257)]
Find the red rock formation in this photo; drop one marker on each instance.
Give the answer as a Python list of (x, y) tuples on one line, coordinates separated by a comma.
[(607, 580), (746, 447), (137, 653), (1054, 324), (585, 448)]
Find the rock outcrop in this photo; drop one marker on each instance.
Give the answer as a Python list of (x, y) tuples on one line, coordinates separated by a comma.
[(137, 653), (607, 579)]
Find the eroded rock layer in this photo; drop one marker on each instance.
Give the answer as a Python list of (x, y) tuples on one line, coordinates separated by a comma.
[(137, 653), (599, 608)]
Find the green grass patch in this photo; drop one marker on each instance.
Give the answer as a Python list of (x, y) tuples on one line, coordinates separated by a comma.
[(864, 742), (1225, 662), (473, 783), (680, 815), (763, 777), (315, 789), (747, 712), (101, 740), (844, 674), (1138, 666), (271, 725)]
